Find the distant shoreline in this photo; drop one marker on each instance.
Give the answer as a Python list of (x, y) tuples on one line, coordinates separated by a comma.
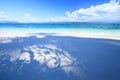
[(15, 22)]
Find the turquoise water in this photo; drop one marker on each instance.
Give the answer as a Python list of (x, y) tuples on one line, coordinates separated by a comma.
[(71, 27), (106, 26)]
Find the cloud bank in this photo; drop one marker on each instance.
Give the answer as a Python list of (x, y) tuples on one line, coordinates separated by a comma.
[(107, 12)]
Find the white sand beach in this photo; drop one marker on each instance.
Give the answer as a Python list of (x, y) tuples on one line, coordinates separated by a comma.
[(79, 33)]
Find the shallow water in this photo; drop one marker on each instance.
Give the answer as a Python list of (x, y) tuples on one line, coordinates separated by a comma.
[(74, 27)]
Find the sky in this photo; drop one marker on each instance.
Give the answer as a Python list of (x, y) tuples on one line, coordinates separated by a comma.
[(60, 10)]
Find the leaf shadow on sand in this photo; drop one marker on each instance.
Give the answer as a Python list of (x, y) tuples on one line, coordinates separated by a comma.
[(88, 58)]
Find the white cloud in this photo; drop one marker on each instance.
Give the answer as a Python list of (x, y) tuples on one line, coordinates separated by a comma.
[(108, 12), (4, 16), (29, 18)]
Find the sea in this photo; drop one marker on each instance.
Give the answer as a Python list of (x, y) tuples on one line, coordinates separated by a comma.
[(64, 26)]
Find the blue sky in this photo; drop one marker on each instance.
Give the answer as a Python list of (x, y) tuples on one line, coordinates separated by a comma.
[(51, 10)]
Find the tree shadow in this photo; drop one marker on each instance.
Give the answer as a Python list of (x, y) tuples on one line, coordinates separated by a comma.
[(98, 58)]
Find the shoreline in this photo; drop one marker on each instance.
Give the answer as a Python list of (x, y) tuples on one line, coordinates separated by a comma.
[(21, 32)]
